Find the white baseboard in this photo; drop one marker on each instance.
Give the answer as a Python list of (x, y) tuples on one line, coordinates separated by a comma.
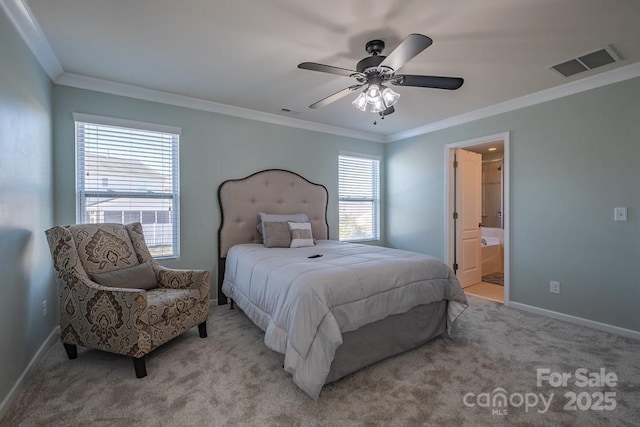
[(629, 333), (17, 387)]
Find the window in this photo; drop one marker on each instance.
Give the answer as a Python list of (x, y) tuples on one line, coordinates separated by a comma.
[(128, 172), (359, 194)]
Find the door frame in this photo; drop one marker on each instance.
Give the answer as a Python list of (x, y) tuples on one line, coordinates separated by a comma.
[(449, 201)]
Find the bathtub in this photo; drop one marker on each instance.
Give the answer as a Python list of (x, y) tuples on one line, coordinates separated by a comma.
[(491, 253)]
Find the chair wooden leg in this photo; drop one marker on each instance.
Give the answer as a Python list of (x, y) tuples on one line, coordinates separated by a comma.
[(72, 350), (140, 367), (232, 306), (202, 328)]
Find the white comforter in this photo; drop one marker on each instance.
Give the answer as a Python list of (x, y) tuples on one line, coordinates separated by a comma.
[(304, 304)]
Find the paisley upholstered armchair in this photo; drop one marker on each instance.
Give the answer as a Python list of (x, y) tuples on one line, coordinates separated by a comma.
[(115, 297)]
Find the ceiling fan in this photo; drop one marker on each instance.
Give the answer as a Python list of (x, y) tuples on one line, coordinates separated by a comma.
[(376, 70)]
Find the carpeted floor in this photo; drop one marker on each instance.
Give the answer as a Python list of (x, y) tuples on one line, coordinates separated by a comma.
[(231, 378)]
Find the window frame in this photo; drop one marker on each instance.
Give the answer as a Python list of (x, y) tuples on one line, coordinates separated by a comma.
[(375, 199), (82, 193)]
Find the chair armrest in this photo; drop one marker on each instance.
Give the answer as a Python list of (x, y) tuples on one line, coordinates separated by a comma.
[(183, 279), (85, 305)]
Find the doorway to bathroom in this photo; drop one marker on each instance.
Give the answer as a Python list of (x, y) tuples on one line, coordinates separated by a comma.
[(477, 218)]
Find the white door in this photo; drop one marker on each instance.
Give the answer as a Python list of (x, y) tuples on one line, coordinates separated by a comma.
[(469, 209)]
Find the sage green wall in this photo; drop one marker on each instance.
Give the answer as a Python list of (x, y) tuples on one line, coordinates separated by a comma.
[(213, 148), (26, 209), (572, 161)]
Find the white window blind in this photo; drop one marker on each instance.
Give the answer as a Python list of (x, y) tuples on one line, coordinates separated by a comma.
[(359, 194), (129, 174)]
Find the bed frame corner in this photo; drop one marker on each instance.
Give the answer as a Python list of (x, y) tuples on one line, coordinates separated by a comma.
[(222, 298)]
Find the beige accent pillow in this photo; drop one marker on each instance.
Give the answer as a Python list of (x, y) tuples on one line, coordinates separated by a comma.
[(276, 235), (301, 234), (265, 217), (141, 276)]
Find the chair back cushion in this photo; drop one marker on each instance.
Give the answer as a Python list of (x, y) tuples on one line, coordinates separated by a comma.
[(139, 277), (103, 247)]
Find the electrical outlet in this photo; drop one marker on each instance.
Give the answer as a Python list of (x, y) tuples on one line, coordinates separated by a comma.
[(554, 287), (44, 308), (620, 214)]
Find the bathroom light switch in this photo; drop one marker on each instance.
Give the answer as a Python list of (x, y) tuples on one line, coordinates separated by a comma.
[(620, 214)]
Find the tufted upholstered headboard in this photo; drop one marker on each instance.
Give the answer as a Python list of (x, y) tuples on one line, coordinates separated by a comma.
[(273, 191)]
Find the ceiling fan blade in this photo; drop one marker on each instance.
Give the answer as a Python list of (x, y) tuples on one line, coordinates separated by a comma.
[(332, 98), (327, 69), (412, 45), (450, 83)]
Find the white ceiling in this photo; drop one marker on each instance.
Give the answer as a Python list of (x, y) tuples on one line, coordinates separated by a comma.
[(244, 53)]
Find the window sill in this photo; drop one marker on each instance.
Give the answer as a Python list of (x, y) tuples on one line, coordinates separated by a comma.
[(165, 258), (362, 241)]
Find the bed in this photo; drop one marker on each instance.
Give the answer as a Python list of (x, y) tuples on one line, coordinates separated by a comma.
[(334, 307)]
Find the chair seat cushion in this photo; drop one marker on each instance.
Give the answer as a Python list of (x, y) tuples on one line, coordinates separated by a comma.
[(140, 276), (164, 304)]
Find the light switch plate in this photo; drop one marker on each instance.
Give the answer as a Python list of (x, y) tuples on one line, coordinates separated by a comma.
[(620, 214)]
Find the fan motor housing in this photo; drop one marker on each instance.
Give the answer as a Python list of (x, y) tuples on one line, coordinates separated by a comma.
[(369, 62), (374, 47)]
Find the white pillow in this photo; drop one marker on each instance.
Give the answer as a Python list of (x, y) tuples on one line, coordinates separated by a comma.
[(301, 234)]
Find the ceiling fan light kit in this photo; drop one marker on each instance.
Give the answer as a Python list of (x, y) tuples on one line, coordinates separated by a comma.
[(361, 102), (379, 98), (389, 96), (375, 70)]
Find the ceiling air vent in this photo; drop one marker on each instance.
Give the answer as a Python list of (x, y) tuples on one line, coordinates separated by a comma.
[(290, 111), (585, 62)]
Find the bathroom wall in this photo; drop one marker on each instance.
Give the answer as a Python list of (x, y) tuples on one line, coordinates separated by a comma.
[(491, 193)]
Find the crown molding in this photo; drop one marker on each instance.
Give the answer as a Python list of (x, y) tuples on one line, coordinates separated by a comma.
[(613, 76), (131, 91), (571, 88), (26, 24)]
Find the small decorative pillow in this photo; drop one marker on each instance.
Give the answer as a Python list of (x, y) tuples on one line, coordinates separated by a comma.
[(140, 276), (301, 234), (276, 235), (265, 217)]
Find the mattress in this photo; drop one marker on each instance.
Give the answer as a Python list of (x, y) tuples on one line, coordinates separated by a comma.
[(388, 337), (304, 304)]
